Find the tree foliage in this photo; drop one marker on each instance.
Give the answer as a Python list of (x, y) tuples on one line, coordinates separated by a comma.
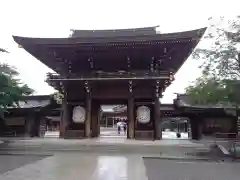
[(219, 83), (3, 50), (213, 91), (11, 88), (222, 59), (58, 97)]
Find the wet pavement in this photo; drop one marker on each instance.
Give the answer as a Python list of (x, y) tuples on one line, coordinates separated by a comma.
[(11, 162), (90, 166), (107, 158), (81, 166), (101, 145), (159, 169)]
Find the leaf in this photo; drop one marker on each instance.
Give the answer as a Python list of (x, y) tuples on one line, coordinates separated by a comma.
[(3, 50), (11, 89), (222, 59)]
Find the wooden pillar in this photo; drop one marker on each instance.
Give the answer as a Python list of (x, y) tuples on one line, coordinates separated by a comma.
[(29, 123), (131, 119), (37, 125), (196, 127), (237, 121), (64, 118), (94, 119), (88, 116), (157, 119)]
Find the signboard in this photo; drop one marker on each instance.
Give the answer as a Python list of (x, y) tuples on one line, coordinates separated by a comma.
[(78, 114), (143, 114)]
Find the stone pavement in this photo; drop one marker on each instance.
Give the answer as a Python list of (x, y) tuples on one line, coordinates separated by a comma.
[(95, 166), (103, 144), (159, 169), (112, 132), (11, 162), (82, 166)]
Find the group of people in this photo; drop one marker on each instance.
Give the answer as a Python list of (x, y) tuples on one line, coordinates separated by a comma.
[(121, 125)]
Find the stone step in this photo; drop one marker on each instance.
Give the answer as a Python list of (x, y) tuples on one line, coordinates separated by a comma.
[(145, 149)]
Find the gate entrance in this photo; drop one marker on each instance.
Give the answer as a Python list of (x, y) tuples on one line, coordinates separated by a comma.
[(134, 65), (111, 115), (176, 128), (113, 121)]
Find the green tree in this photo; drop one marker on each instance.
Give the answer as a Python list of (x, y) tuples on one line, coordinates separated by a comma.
[(58, 97), (222, 59), (11, 88), (219, 83), (212, 91), (3, 50)]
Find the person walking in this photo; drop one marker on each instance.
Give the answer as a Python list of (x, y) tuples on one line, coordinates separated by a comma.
[(119, 124), (125, 127)]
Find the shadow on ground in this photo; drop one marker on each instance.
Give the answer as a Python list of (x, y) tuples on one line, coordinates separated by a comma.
[(11, 162), (160, 169)]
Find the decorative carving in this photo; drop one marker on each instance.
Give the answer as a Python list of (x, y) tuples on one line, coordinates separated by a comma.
[(128, 63), (152, 64), (171, 77), (143, 114), (70, 67), (157, 88), (87, 86), (130, 86), (78, 114)]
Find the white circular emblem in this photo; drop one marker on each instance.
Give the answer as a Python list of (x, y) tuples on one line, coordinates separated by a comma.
[(143, 114), (78, 114)]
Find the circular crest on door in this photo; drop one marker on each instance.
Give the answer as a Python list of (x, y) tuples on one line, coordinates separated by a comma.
[(143, 114), (78, 114)]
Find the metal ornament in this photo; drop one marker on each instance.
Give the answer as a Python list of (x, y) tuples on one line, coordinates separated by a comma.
[(143, 114), (79, 113)]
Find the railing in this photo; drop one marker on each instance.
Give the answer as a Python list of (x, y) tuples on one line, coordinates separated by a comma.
[(99, 75)]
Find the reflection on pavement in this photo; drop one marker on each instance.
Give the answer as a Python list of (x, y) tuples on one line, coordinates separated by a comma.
[(82, 166), (110, 167)]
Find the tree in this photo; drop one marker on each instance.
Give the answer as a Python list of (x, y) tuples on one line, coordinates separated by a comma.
[(214, 91), (11, 88), (219, 83), (58, 97), (222, 59), (3, 50)]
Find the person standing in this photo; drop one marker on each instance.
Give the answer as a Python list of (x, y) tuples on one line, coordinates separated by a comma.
[(125, 127), (119, 124)]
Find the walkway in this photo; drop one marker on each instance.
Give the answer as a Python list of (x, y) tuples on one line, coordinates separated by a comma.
[(92, 166), (112, 132)]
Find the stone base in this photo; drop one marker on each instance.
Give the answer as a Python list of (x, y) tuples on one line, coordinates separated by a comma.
[(144, 135), (74, 134)]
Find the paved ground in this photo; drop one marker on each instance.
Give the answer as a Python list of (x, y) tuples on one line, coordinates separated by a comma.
[(100, 159), (82, 166), (95, 166), (173, 148), (10, 162), (158, 169), (112, 132)]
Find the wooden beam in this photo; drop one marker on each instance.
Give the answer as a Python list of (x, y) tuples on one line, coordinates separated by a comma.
[(111, 78)]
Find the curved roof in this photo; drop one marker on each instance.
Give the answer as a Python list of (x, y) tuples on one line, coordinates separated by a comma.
[(114, 39), (172, 49), (114, 32)]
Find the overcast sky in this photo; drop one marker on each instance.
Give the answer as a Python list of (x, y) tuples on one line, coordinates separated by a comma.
[(55, 18)]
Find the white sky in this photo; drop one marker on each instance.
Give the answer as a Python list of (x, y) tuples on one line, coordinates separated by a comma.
[(55, 18)]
